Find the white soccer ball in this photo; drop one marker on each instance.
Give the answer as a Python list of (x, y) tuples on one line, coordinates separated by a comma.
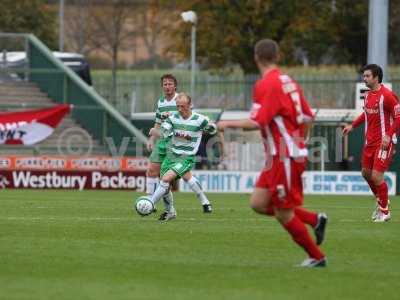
[(144, 206)]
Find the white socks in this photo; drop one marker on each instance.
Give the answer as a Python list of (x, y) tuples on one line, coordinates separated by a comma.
[(151, 185), (161, 190), (168, 200), (194, 184), (158, 190)]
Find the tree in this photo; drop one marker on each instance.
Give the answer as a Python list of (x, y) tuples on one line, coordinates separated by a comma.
[(350, 21), (228, 29), (394, 29), (111, 29), (79, 26), (29, 16), (308, 31), (150, 19)]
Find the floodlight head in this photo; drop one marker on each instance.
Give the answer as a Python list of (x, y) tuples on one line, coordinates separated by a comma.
[(189, 16)]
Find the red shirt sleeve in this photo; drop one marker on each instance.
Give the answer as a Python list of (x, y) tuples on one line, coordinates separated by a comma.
[(358, 121), (306, 109), (391, 103), (266, 104)]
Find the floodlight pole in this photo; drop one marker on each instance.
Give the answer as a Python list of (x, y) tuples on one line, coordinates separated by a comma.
[(61, 28), (191, 17), (193, 60), (378, 34)]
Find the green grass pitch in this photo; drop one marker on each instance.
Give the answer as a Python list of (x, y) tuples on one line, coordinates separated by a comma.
[(91, 245)]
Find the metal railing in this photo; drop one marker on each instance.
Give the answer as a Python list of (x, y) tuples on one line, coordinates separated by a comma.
[(138, 92)]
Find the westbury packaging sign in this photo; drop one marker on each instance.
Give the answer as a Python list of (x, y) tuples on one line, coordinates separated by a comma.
[(77, 173), (76, 180)]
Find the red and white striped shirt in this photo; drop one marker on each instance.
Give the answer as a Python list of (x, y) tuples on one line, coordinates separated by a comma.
[(281, 111), (381, 116)]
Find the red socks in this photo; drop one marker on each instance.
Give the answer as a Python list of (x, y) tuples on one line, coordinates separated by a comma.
[(382, 191), (300, 235), (306, 216)]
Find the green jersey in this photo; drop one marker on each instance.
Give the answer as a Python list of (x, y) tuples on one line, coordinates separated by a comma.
[(185, 133), (160, 148), (165, 106)]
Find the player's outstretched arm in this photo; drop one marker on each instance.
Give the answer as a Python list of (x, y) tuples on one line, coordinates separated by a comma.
[(357, 122), (245, 124), (346, 130), (154, 134)]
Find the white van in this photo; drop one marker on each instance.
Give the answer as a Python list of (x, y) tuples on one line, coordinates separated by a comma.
[(17, 59)]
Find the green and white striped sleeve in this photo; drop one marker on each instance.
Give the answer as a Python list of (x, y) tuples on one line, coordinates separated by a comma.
[(167, 128), (204, 123), (158, 115), (210, 128)]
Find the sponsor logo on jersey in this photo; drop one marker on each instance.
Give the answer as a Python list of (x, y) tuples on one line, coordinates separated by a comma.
[(371, 110), (183, 136)]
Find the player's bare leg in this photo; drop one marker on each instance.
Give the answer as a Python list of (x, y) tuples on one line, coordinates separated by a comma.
[(259, 201), (382, 190), (195, 186)]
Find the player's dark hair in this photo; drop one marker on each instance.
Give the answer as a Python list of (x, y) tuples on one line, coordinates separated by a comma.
[(375, 70), (171, 77), (267, 51)]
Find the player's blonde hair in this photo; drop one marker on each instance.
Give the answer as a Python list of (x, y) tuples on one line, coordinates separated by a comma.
[(185, 96)]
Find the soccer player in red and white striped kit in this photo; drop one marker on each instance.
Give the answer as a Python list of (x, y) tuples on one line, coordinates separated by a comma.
[(381, 117), (283, 115)]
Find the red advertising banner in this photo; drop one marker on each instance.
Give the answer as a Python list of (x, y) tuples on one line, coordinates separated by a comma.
[(91, 163), (76, 180)]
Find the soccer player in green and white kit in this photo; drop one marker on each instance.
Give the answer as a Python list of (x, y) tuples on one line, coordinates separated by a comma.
[(185, 130), (166, 105)]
